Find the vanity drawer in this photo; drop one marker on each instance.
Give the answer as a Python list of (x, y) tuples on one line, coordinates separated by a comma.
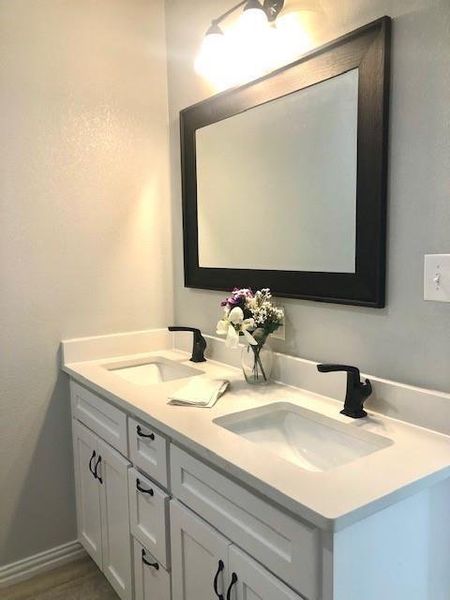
[(151, 581), (286, 546), (149, 515), (148, 451), (100, 416)]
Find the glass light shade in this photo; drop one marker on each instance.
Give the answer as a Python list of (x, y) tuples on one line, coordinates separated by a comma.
[(212, 54), (250, 43), (253, 19), (295, 34)]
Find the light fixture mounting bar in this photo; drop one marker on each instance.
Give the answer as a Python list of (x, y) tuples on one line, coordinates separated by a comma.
[(272, 8), (224, 15)]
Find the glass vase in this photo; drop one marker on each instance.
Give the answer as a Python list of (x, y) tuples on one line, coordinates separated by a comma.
[(257, 362)]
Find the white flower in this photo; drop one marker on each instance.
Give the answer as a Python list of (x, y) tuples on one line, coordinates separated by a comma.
[(234, 323)]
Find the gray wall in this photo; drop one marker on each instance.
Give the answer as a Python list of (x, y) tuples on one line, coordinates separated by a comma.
[(85, 227), (409, 340)]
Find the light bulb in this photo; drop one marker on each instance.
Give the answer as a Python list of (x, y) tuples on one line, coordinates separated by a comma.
[(253, 17), (212, 52), (294, 35)]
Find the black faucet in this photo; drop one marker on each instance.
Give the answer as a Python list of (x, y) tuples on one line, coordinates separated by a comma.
[(199, 344), (357, 391)]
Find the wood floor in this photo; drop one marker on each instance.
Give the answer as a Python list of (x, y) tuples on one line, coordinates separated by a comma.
[(79, 580)]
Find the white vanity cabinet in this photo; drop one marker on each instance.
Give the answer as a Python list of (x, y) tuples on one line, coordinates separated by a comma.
[(164, 524), (101, 477)]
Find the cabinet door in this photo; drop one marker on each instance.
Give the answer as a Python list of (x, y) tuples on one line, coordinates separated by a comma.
[(199, 557), (253, 581), (85, 449), (151, 580), (116, 541)]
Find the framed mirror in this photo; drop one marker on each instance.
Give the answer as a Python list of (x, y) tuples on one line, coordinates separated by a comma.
[(284, 178)]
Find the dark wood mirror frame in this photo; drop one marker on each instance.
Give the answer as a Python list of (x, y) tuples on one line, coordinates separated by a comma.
[(368, 50)]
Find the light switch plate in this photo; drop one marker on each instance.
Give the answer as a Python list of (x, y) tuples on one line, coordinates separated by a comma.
[(437, 277)]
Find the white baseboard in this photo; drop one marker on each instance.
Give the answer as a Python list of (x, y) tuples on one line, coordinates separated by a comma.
[(40, 563)]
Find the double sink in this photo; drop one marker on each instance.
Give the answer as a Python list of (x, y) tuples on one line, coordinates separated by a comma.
[(300, 436)]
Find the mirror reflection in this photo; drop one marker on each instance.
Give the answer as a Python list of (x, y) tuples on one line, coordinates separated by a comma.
[(276, 184)]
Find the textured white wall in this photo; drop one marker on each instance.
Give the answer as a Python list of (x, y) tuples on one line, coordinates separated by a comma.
[(409, 340), (84, 227)]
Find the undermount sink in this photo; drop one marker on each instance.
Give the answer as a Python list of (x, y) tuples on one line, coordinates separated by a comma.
[(307, 439), (151, 371)]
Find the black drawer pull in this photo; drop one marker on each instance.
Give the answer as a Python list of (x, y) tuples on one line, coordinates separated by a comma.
[(216, 579), (91, 468), (155, 565), (143, 490), (97, 464), (150, 436), (234, 579)]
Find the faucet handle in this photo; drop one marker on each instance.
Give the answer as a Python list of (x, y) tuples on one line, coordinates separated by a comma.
[(366, 388)]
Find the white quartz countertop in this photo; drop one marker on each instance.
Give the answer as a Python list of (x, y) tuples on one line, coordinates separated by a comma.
[(331, 499)]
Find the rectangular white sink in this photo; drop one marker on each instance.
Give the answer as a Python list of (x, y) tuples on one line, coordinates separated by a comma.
[(307, 439), (151, 371)]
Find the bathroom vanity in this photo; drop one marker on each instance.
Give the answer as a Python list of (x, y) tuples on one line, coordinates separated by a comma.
[(271, 494)]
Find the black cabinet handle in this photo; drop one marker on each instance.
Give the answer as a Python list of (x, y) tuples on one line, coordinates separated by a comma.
[(97, 464), (143, 490), (216, 579), (91, 469), (150, 436), (155, 565), (234, 579)]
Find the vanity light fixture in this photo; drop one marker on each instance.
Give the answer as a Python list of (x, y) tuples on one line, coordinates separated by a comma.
[(216, 51)]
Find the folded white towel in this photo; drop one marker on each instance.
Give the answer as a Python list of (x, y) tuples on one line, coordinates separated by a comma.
[(199, 391)]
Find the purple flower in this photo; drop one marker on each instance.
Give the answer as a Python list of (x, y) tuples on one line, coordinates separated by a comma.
[(238, 298)]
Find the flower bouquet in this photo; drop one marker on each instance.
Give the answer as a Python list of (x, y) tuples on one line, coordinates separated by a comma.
[(252, 316)]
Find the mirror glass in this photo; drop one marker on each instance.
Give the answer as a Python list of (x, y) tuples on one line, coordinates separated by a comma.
[(276, 184)]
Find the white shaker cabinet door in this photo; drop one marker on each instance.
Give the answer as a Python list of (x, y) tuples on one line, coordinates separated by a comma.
[(151, 580), (251, 581), (116, 540), (199, 557), (85, 446)]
